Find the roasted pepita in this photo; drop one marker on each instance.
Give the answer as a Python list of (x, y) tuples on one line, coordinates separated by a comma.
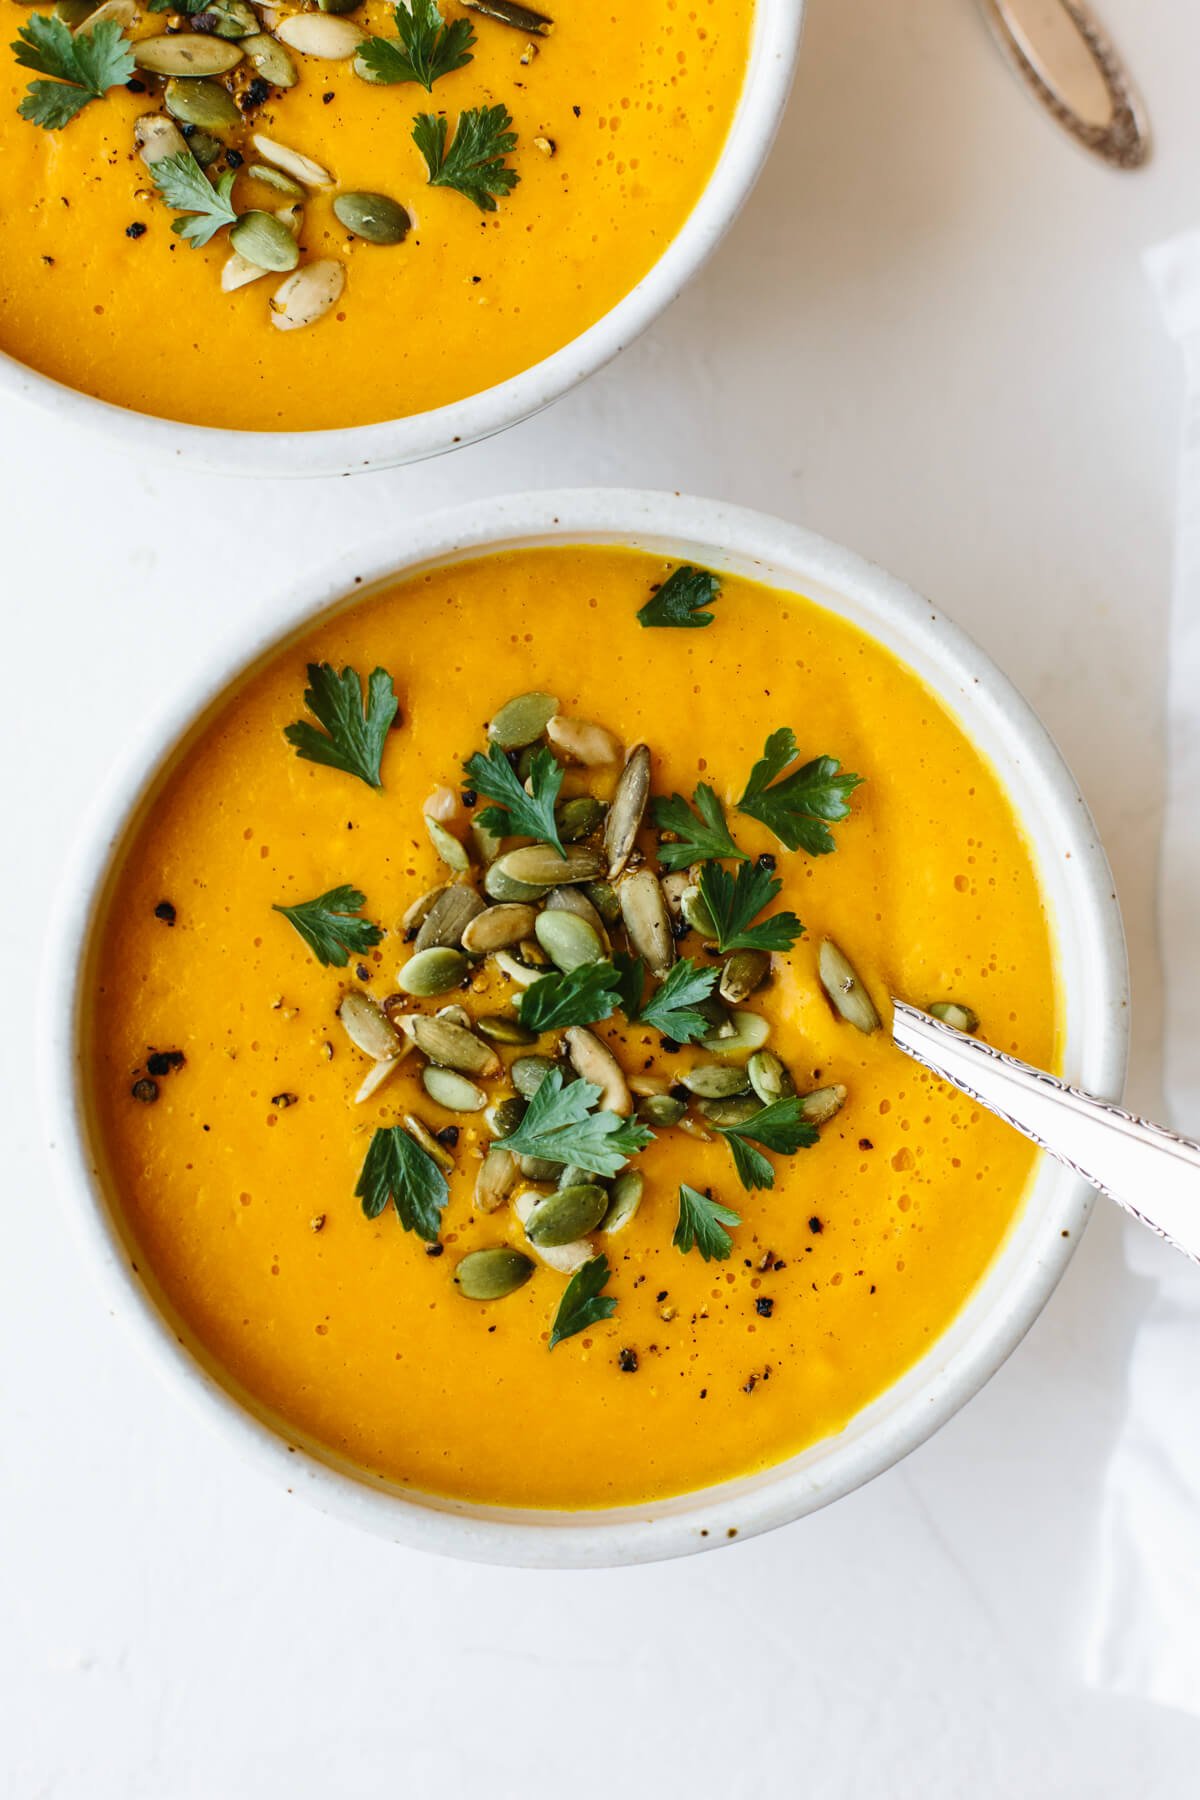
[(625, 813), (186, 53), (528, 1073), (951, 1012), (583, 742), (504, 1117), (375, 218), (368, 1027), (517, 969), (745, 971), (302, 168), (156, 137), (321, 35), (503, 1029), (264, 241), (492, 1274), (569, 941), (497, 927), (566, 1215), (578, 818), (452, 1091), (647, 921), (307, 294), (508, 12), (845, 991), (715, 1081), (741, 1032), (695, 910), (522, 720), (822, 1103), (661, 1109), (204, 103), (433, 971), (539, 866), (625, 1198), (501, 886), (769, 1077), (592, 1059), (452, 852), (496, 1179), (226, 19), (448, 918), (453, 1047), (271, 61)]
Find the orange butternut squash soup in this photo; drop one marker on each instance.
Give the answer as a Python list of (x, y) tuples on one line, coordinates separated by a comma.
[(485, 1040), (265, 218)]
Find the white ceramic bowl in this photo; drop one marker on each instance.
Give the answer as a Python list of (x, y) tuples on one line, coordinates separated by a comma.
[(1091, 958), (774, 46)]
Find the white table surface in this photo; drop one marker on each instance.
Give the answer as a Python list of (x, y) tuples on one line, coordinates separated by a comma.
[(929, 336)]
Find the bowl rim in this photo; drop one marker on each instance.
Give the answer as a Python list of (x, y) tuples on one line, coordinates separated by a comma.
[(775, 43), (994, 1318)]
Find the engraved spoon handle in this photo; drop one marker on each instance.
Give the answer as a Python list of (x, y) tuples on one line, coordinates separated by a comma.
[(1060, 52), (1150, 1171)]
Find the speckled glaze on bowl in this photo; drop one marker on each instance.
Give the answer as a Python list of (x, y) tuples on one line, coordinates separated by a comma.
[(775, 44), (1090, 948)]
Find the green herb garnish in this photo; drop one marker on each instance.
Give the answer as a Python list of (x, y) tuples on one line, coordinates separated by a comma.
[(700, 837), (397, 1169), (582, 1303), (355, 740), (671, 1007), (780, 1127), (330, 928), (582, 997), (518, 813), (796, 809), (473, 164), (85, 66), (735, 901), (560, 1125), (424, 48), (702, 1222), (680, 598), (184, 185)]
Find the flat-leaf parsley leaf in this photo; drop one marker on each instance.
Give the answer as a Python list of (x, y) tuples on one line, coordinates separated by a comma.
[(702, 1222), (560, 1126), (352, 740), (680, 599), (517, 813), (330, 928), (85, 65), (671, 1008), (184, 185), (424, 49), (796, 809), (399, 1170), (473, 162), (698, 838), (580, 997), (582, 1303), (780, 1127), (734, 901)]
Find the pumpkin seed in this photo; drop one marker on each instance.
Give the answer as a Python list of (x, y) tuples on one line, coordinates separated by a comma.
[(950, 1012), (822, 1103), (74, 13), (505, 1030), (417, 1128), (339, 6), (528, 1073), (565, 1258), (496, 927), (569, 942), (625, 813), (373, 217), (516, 969), (264, 241), (363, 69), (578, 818), (499, 885), (567, 1215), (186, 53), (743, 1031), (745, 971), (644, 1085), (603, 897), (204, 103), (674, 886), (121, 12), (592, 1059), (508, 12), (421, 908), (492, 1274), (307, 294), (367, 1026), (452, 1047), (156, 137), (456, 1014), (733, 1111), (433, 971), (452, 852), (506, 1115), (696, 1130), (694, 908), (291, 217), (236, 273), (301, 168), (522, 720), (661, 1109), (540, 866), (627, 1191), (574, 900), (452, 1091), (538, 1168), (647, 921), (715, 1081), (570, 1175), (487, 843), (275, 178), (496, 1179), (845, 991), (203, 145), (583, 742), (447, 919), (271, 61), (321, 35), (769, 1077), (227, 19), (376, 1077)]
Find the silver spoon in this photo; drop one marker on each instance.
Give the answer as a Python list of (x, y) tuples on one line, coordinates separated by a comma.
[(1066, 61), (1150, 1171)]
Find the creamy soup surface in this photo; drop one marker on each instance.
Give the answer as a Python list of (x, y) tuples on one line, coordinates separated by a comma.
[(619, 117), (237, 1179)]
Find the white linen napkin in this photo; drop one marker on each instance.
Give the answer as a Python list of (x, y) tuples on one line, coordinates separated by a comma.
[(1146, 1636)]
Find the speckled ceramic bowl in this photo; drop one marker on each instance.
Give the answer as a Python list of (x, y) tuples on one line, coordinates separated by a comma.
[(1091, 958)]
